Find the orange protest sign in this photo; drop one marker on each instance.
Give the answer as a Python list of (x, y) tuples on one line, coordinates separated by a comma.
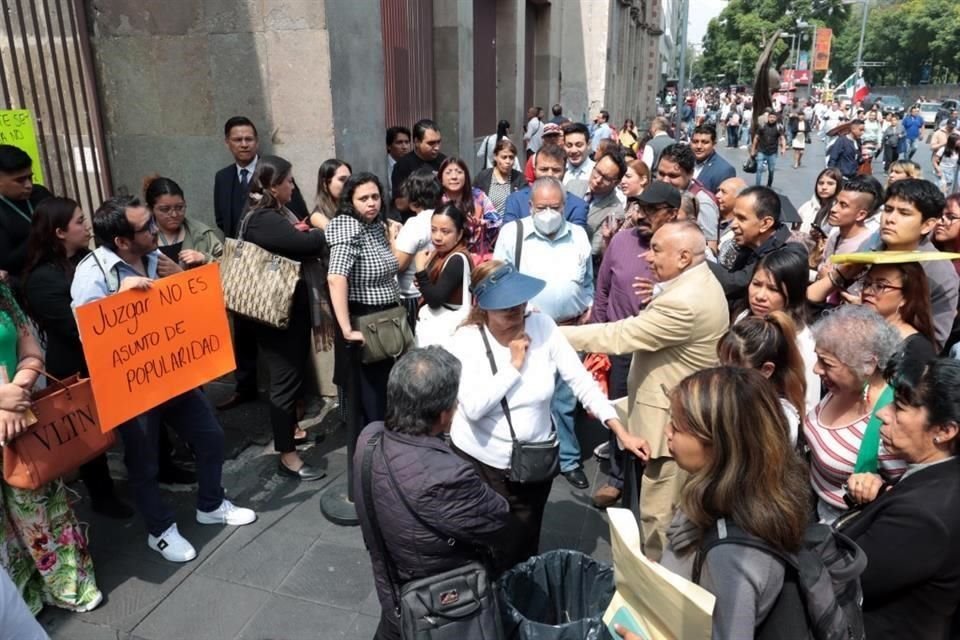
[(145, 347)]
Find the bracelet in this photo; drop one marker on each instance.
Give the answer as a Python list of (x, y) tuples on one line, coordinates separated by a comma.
[(833, 276)]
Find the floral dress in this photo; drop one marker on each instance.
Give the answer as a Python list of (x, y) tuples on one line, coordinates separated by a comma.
[(484, 226), (42, 545)]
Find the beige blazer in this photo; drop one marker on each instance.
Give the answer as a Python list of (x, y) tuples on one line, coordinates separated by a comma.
[(675, 335)]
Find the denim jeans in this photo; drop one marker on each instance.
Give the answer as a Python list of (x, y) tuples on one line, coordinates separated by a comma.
[(563, 409), (191, 416), (768, 161), (911, 148)]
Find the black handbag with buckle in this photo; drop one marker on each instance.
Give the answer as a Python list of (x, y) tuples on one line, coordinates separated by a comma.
[(460, 603), (529, 461)]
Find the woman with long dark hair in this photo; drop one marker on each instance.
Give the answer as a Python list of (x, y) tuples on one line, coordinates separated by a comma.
[(779, 283), (723, 421), (59, 239), (184, 240), (814, 211), (487, 151), (331, 177), (269, 224), (901, 295), (363, 280), (483, 221), (440, 276)]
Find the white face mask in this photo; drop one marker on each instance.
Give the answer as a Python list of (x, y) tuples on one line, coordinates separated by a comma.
[(547, 221)]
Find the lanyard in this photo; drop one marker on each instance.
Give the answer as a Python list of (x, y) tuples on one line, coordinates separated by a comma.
[(28, 218)]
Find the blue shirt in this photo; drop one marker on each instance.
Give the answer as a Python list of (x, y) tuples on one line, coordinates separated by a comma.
[(599, 132), (564, 262), (100, 273), (912, 125), (518, 206)]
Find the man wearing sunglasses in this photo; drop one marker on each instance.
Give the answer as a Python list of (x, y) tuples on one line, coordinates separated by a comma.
[(127, 258)]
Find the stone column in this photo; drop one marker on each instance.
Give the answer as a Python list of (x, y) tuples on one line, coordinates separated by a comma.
[(453, 75)]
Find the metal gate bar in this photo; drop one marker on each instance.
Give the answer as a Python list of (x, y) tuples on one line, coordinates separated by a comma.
[(45, 62)]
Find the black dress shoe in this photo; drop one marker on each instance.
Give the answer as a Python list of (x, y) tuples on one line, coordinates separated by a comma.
[(176, 475), (112, 507), (306, 472), (235, 400), (316, 439), (577, 478)]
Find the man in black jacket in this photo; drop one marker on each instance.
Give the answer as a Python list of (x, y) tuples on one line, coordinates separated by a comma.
[(18, 197), (413, 465), (230, 188), (426, 153), (757, 231)]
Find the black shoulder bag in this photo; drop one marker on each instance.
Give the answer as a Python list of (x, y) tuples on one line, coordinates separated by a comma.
[(529, 461), (459, 603)]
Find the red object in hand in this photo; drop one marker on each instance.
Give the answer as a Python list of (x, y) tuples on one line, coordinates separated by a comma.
[(598, 365)]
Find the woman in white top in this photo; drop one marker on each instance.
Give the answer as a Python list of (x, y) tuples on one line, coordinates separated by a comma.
[(487, 150), (528, 352), (779, 283)]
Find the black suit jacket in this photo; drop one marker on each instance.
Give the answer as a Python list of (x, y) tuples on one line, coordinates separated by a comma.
[(230, 200), (911, 535)]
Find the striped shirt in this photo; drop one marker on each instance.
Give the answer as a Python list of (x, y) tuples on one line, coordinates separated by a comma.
[(833, 455)]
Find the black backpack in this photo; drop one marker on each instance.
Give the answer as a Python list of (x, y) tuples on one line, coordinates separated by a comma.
[(821, 595)]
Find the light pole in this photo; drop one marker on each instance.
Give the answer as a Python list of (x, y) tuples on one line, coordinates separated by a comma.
[(681, 79), (863, 33)]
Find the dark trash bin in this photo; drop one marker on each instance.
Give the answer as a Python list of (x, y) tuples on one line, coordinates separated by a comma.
[(560, 595)]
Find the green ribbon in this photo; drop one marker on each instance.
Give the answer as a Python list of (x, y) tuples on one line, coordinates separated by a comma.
[(867, 457)]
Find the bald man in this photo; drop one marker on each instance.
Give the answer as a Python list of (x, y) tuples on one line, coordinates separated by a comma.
[(727, 194), (674, 336)]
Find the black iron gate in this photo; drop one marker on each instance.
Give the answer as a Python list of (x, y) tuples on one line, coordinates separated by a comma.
[(46, 68)]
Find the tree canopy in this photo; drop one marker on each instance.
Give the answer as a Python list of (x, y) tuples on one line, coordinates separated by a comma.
[(905, 35)]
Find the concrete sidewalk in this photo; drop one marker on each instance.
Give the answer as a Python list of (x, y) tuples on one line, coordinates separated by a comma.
[(288, 576)]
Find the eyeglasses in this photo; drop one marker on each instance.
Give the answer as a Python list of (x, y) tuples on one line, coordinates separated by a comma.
[(151, 226), (605, 178), (879, 287), (949, 219), (178, 209), (648, 210)]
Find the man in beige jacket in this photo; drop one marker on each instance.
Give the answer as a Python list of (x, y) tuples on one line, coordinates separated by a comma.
[(674, 336)]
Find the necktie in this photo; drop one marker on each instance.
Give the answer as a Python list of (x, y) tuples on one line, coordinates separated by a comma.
[(243, 177)]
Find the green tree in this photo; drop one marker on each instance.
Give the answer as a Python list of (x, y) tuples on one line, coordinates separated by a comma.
[(734, 39)]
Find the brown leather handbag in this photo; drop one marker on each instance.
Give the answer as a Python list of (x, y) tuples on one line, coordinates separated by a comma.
[(66, 435)]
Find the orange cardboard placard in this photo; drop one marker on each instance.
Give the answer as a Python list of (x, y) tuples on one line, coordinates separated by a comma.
[(145, 347)]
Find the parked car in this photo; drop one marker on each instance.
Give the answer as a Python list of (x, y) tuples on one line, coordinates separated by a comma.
[(928, 111)]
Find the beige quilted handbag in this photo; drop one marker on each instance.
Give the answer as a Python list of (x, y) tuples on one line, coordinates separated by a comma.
[(256, 283)]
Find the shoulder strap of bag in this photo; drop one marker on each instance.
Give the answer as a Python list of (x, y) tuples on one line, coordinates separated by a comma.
[(451, 541), (465, 282), (366, 480), (518, 249), (733, 534), (867, 461), (493, 368)]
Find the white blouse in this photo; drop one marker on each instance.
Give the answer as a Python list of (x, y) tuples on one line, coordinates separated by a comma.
[(479, 427)]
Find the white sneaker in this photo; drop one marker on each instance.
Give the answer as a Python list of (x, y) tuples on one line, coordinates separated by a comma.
[(227, 513), (172, 546)]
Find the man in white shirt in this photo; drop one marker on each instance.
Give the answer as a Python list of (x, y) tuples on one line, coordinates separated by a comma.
[(661, 139), (423, 193), (532, 138), (576, 143), (557, 252)]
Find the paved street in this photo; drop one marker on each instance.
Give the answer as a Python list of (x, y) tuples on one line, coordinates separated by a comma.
[(798, 184), (291, 575)]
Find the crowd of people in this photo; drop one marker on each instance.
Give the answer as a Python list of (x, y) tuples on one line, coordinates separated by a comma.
[(770, 379)]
